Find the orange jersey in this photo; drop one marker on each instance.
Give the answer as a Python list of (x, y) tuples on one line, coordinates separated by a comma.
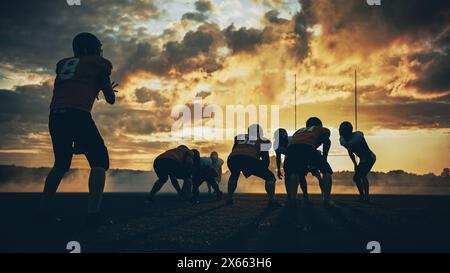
[(77, 82), (248, 147), (178, 154), (312, 136)]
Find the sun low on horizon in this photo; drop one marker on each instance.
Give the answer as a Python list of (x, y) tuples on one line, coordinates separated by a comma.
[(167, 54)]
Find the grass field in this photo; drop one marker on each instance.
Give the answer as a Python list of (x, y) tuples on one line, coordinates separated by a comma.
[(399, 223)]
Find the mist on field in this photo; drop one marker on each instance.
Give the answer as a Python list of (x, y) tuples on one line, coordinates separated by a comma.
[(22, 179)]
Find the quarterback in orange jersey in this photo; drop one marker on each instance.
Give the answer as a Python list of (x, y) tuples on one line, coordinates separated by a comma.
[(302, 152), (78, 81), (250, 155), (174, 163)]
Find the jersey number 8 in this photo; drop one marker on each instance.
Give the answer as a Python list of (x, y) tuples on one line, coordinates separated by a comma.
[(68, 69)]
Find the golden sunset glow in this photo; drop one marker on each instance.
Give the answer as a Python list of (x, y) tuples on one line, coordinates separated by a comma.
[(247, 53)]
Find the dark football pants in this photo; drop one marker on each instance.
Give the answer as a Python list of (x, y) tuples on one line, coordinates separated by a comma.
[(69, 126)]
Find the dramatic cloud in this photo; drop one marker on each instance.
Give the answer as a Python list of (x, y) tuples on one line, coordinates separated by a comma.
[(303, 20), (243, 39), (270, 3), (272, 17), (144, 95), (34, 33), (352, 28), (166, 53), (203, 6), (24, 116), (194, 16), (432, 67)]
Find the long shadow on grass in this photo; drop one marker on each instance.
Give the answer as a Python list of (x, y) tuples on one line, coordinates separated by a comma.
[(237, 242), (124, 242), (284, 232), (341, 217), (371, 220)]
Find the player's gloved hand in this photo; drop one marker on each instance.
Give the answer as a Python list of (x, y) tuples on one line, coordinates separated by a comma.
[(114, 85), (280, 175)]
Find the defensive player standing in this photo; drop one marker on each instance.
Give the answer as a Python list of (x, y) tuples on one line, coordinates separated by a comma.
[(78, 81), (302, 152), (356, 144), (250, 155), (174, 163)]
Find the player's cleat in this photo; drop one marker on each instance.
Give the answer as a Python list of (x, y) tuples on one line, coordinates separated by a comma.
[(47, 218), (95, 220)]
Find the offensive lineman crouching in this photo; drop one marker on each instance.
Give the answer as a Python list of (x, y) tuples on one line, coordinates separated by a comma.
[(302, 152), (173, 164), (250, 155)]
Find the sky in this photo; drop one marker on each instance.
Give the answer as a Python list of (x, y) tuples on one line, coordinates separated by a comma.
[(167, 53)]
